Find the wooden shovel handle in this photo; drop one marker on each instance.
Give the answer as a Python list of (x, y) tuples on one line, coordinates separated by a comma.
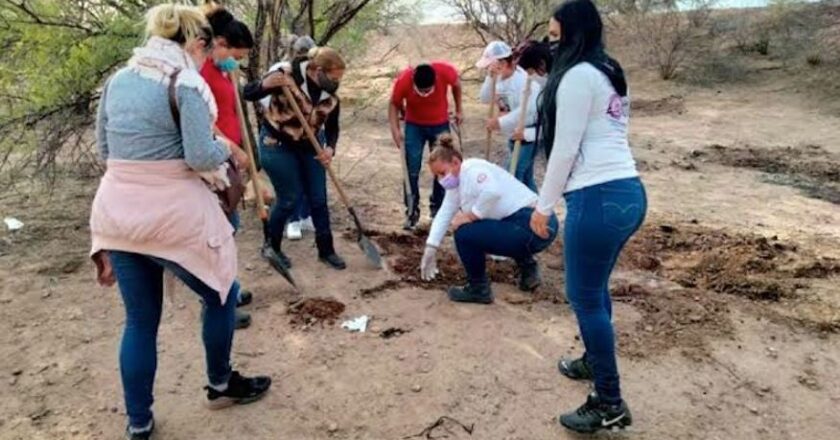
[(249, 149)]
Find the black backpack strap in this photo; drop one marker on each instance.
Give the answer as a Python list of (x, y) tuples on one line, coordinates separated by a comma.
[(173, 98)]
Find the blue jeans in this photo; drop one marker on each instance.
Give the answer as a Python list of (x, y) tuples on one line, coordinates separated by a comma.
[(295, 174), (234, 220), (301, 210), (416, 138), (140, 279), (510, 237), (599, 221), (525, 166)]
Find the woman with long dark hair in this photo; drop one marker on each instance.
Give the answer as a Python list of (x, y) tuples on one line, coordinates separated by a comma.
[(585, 111)]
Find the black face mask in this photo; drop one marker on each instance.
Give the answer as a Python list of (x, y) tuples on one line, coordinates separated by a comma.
[(554, 45), (327, 84)]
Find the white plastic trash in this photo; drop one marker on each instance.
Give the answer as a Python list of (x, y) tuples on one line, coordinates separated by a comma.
[(356, 324), (13, 224)]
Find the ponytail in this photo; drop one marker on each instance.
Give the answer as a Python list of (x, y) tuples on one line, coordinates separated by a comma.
[(445, 149), (236, 33)]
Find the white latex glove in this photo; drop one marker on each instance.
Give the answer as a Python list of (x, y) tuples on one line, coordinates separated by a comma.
[(428, 265)]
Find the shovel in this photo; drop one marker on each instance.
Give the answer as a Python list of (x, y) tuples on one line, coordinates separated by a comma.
[(523, 113), (491, 113), (408, 192), (262, 212), (365, 244)]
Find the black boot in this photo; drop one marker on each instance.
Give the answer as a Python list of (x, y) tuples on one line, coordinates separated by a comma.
[(595, 415), (326, 252), (472, 293), (529, 276)]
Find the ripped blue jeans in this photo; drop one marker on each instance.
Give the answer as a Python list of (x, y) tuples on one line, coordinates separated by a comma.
[(599, 221)]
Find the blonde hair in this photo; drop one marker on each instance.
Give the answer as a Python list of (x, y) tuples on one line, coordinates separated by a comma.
[(326, 58), (179, 23), (445, 149)]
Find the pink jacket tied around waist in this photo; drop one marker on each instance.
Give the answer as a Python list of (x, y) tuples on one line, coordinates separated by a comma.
[(164, 209)]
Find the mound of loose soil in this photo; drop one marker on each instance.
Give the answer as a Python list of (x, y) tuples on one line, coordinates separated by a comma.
[(315, 310), (686, 319), (406, 251), (810, 168)]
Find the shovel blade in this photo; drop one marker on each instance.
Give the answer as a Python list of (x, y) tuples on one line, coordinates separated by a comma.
[(371, 252), (282, 270)]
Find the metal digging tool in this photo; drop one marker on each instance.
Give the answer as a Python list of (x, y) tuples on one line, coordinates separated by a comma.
[(523, 113), (407, 178), (370, 251), (491, 113), (262, 212)]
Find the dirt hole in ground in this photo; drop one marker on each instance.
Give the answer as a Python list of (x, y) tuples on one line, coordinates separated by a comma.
[(311, 311), (809, 168), (674, 104)]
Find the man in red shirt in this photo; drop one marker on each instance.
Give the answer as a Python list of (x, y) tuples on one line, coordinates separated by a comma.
[(420, 93)]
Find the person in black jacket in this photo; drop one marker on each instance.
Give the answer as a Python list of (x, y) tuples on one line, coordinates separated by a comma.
[(286, 153)]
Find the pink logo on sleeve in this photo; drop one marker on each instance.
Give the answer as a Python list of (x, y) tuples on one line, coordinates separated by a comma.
[(616, 107)]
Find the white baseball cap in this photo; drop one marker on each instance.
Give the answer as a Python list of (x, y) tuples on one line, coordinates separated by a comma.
[(496, 50)]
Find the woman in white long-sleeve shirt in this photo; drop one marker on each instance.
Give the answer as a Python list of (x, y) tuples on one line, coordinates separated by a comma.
[(512, 80), (585, 112), (489, 210)]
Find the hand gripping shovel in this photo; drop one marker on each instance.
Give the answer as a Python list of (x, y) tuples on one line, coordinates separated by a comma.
[(523, 113), (262, 212), (365, 244)]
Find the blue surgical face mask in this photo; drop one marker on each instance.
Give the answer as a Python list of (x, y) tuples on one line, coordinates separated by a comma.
[(228, 64)]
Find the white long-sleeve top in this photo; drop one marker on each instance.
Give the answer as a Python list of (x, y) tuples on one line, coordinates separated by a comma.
[(487, 191), (590, 138), (509, 91)]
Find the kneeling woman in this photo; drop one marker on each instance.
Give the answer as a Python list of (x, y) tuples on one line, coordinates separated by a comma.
[(287, 155), (489, 210)]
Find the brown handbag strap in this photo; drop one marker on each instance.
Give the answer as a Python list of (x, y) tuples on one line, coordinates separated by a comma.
[(173, 98)]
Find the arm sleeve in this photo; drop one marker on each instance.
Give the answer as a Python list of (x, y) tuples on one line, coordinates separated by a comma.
[(489, 193), (450, 206), (510, 121), (486, 93), (101, 123), (331, 126), (201, 151), (574, 103), (254, 91), (398, 91)]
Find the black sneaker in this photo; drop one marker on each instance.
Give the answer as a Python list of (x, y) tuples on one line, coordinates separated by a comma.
[(478, 294), (270, 254), (529, 277), (243, 319), (334, 261), (595, 415), (146, 434), (577, 369), (240, 391), (245, 298)]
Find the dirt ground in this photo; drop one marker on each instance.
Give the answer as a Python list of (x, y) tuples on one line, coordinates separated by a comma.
[(727, 303)]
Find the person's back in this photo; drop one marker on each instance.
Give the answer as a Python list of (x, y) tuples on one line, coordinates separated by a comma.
[(604, 153), (139, 123)]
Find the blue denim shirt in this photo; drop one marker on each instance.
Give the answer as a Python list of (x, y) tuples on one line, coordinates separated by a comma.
[(134, 122)]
